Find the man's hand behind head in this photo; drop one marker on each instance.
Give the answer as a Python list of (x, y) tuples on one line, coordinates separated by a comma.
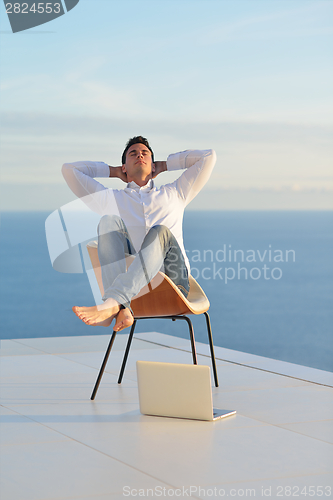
[(118, 172), (160, 166)]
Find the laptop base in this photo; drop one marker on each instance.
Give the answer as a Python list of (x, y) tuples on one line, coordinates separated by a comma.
[(222, 413)]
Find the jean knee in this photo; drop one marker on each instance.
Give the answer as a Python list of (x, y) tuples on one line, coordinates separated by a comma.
[(109, 223), (162, 230), (164, 234)]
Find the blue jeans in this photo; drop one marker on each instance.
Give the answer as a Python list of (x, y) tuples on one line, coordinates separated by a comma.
[(159, 252)]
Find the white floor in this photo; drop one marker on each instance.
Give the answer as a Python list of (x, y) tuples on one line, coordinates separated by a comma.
[(58, 444)]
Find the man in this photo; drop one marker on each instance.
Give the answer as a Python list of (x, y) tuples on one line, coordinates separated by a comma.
[(141, 220)]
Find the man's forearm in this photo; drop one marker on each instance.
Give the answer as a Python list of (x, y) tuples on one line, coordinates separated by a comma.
[(197, 165), (114, 171), (80, 176)]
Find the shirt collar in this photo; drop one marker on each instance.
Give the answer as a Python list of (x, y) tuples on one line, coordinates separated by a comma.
[(146, 187)]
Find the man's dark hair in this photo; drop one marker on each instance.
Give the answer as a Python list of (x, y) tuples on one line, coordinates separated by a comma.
[(136, 140)]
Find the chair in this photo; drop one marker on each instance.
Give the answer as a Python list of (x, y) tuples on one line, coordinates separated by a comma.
[(159, 299)]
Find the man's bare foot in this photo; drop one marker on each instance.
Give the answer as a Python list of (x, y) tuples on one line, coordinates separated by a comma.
[(101, 315), (124, 319)]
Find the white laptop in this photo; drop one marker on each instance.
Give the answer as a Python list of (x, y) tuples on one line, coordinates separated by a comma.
[(177, 390)]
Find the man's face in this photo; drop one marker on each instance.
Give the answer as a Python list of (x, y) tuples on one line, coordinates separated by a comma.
[(138, 162)]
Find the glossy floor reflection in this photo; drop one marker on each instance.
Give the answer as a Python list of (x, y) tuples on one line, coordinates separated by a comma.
[(58, 444)]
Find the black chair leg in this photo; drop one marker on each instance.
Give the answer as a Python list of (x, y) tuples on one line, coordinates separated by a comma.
[(190, 327), (129, 342), (101, 371), (212, 354)]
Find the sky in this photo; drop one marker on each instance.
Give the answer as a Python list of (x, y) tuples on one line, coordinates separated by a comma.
[(252, 79)]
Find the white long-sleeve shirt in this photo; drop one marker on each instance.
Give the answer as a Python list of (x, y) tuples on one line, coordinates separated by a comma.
[(144, 207)]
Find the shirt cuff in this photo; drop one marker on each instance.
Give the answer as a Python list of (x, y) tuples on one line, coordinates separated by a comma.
[(176, 161), (102, 169)]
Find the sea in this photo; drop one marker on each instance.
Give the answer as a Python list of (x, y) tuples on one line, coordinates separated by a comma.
[(268, 277)]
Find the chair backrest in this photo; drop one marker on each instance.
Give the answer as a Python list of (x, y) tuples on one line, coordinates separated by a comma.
[(161, 297)]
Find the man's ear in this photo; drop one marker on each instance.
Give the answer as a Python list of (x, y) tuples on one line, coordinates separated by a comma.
[(123, 168), (152, 167)]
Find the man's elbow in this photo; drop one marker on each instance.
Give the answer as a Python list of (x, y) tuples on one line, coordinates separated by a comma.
[(65, 169), (208, 153), (212, 153)]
